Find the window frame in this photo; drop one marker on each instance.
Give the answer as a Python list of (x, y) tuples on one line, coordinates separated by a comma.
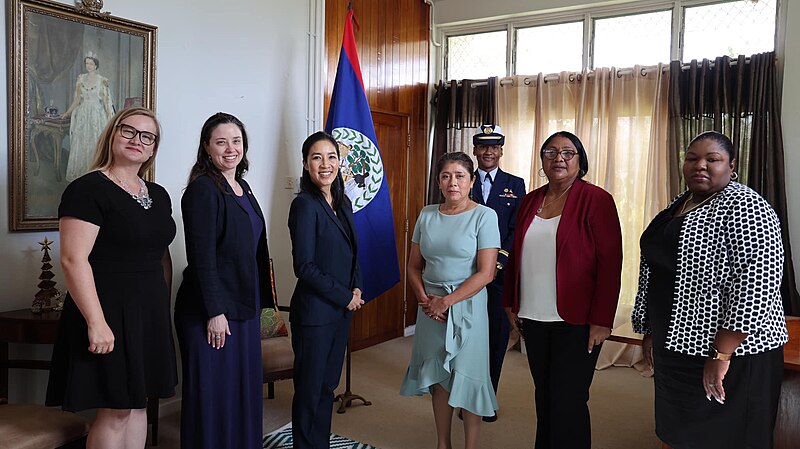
[(588, 15)]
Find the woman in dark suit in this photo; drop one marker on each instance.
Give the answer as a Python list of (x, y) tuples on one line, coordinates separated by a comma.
[(225, 285), (562, 285), (328, 289)]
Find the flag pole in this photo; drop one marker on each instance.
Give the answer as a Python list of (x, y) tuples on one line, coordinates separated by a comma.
[(350, 123), (348, 397)]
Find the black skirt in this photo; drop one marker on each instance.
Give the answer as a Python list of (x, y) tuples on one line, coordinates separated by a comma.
[(685, 419)]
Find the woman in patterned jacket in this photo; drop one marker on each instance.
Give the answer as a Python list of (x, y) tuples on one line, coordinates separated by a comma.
[(709, 305)]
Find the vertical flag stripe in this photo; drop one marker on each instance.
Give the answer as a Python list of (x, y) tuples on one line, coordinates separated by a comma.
[(350, 122)]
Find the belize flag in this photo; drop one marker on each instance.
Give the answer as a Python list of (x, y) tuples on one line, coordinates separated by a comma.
[(350, 123)]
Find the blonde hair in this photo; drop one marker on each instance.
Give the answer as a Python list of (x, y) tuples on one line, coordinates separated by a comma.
[(104, 154)]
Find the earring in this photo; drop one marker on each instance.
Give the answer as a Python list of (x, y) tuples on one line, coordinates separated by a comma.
[(734, 176), (541, 172)]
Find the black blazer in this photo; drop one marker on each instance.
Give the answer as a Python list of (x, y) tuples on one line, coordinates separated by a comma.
[(325, 258), (221, 275)]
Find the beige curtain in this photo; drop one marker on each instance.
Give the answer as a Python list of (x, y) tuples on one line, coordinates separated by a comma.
[(621, 118)]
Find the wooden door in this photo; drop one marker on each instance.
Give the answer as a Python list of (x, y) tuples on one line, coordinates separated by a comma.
[(382, 318)]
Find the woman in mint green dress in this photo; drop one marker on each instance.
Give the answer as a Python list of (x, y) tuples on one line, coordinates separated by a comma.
[(453, 258)]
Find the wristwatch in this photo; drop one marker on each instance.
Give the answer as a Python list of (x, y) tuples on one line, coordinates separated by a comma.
[(716, 355)]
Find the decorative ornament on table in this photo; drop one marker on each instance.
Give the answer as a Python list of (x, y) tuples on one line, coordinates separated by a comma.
[(47, 286)]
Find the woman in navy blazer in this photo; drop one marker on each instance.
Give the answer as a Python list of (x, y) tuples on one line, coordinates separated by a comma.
[(328, 289), (563, 281), (225, 285)]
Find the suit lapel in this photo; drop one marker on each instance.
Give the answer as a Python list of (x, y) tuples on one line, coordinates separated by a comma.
[(229, 191), (500, 181), (477, 193), (332, 216), (571, 215), (253, 202)]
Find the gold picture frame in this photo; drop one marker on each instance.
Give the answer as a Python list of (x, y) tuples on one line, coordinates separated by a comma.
[(70, 68)]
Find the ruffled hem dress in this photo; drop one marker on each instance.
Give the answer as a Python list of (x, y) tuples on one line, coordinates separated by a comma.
[(454, 353)]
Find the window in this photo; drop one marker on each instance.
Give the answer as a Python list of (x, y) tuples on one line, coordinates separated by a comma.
[(476, 56), (564, 49), (620, 35), (733, 29), (635, 39)]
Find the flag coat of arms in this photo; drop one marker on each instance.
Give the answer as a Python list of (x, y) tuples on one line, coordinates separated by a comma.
[(350, 123)]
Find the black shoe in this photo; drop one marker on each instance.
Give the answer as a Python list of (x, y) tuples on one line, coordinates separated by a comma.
[(492, 418)]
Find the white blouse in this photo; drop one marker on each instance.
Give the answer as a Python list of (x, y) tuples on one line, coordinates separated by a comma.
[(538, 271)]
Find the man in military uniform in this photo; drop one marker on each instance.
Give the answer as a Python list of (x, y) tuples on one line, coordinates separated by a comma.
[(503, 193)]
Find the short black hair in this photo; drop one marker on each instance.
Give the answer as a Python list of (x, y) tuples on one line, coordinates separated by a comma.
[(583, 163), (717, 137), (456, 156)]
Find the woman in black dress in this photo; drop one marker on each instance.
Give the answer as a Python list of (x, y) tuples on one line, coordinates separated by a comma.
[(114, 346), (710, 307), (225, 285)]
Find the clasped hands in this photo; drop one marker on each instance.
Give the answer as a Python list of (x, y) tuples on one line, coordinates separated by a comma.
[(356, 302), (436, 307)]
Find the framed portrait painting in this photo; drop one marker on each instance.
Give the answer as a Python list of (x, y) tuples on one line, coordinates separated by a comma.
[(70, 69)]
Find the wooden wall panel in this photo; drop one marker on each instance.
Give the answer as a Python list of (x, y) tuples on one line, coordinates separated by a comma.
[(393, 48)]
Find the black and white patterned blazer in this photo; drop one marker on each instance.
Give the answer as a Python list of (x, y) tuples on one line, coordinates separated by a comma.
[(730, 266)]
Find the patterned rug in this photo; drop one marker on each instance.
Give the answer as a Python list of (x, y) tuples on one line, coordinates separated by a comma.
[(282, 439)]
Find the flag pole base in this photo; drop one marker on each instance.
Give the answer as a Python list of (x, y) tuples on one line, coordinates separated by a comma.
[(348, 397)]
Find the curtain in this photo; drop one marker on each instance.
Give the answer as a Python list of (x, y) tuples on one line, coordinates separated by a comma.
[(742, 102), (53, 46), (621, 118), (459, 111)]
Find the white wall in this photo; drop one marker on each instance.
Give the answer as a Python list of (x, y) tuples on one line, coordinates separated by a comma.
[(250, 58), (450, 12), (791, 131)]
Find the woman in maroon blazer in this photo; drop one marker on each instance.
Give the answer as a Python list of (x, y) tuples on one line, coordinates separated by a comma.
[(562, 286)]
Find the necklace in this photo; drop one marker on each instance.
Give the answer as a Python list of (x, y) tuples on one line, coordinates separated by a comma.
[(685, 211), (143, 197), (545, 204)]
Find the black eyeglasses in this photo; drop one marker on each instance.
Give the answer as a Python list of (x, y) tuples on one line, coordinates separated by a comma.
[(565, 154), (129, 132)]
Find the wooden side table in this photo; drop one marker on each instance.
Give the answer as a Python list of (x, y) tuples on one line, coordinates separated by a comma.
[(52, 131), (26, 327)]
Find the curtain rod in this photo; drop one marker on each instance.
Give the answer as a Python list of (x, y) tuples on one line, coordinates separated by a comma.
[(621, 72)]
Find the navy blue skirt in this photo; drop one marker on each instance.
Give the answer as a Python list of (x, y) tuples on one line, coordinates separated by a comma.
[(222, 388)]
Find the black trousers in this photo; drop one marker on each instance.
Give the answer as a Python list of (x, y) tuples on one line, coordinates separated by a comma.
[(499, 330), (562, 370), (318, 358)]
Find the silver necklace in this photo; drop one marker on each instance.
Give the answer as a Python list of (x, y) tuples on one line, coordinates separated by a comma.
[(143, 197), (544, 204)]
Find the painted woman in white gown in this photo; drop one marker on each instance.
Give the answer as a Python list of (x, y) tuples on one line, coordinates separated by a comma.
[(90, 110)]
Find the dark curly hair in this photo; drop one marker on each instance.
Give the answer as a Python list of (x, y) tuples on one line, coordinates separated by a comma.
[(204, 165)]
